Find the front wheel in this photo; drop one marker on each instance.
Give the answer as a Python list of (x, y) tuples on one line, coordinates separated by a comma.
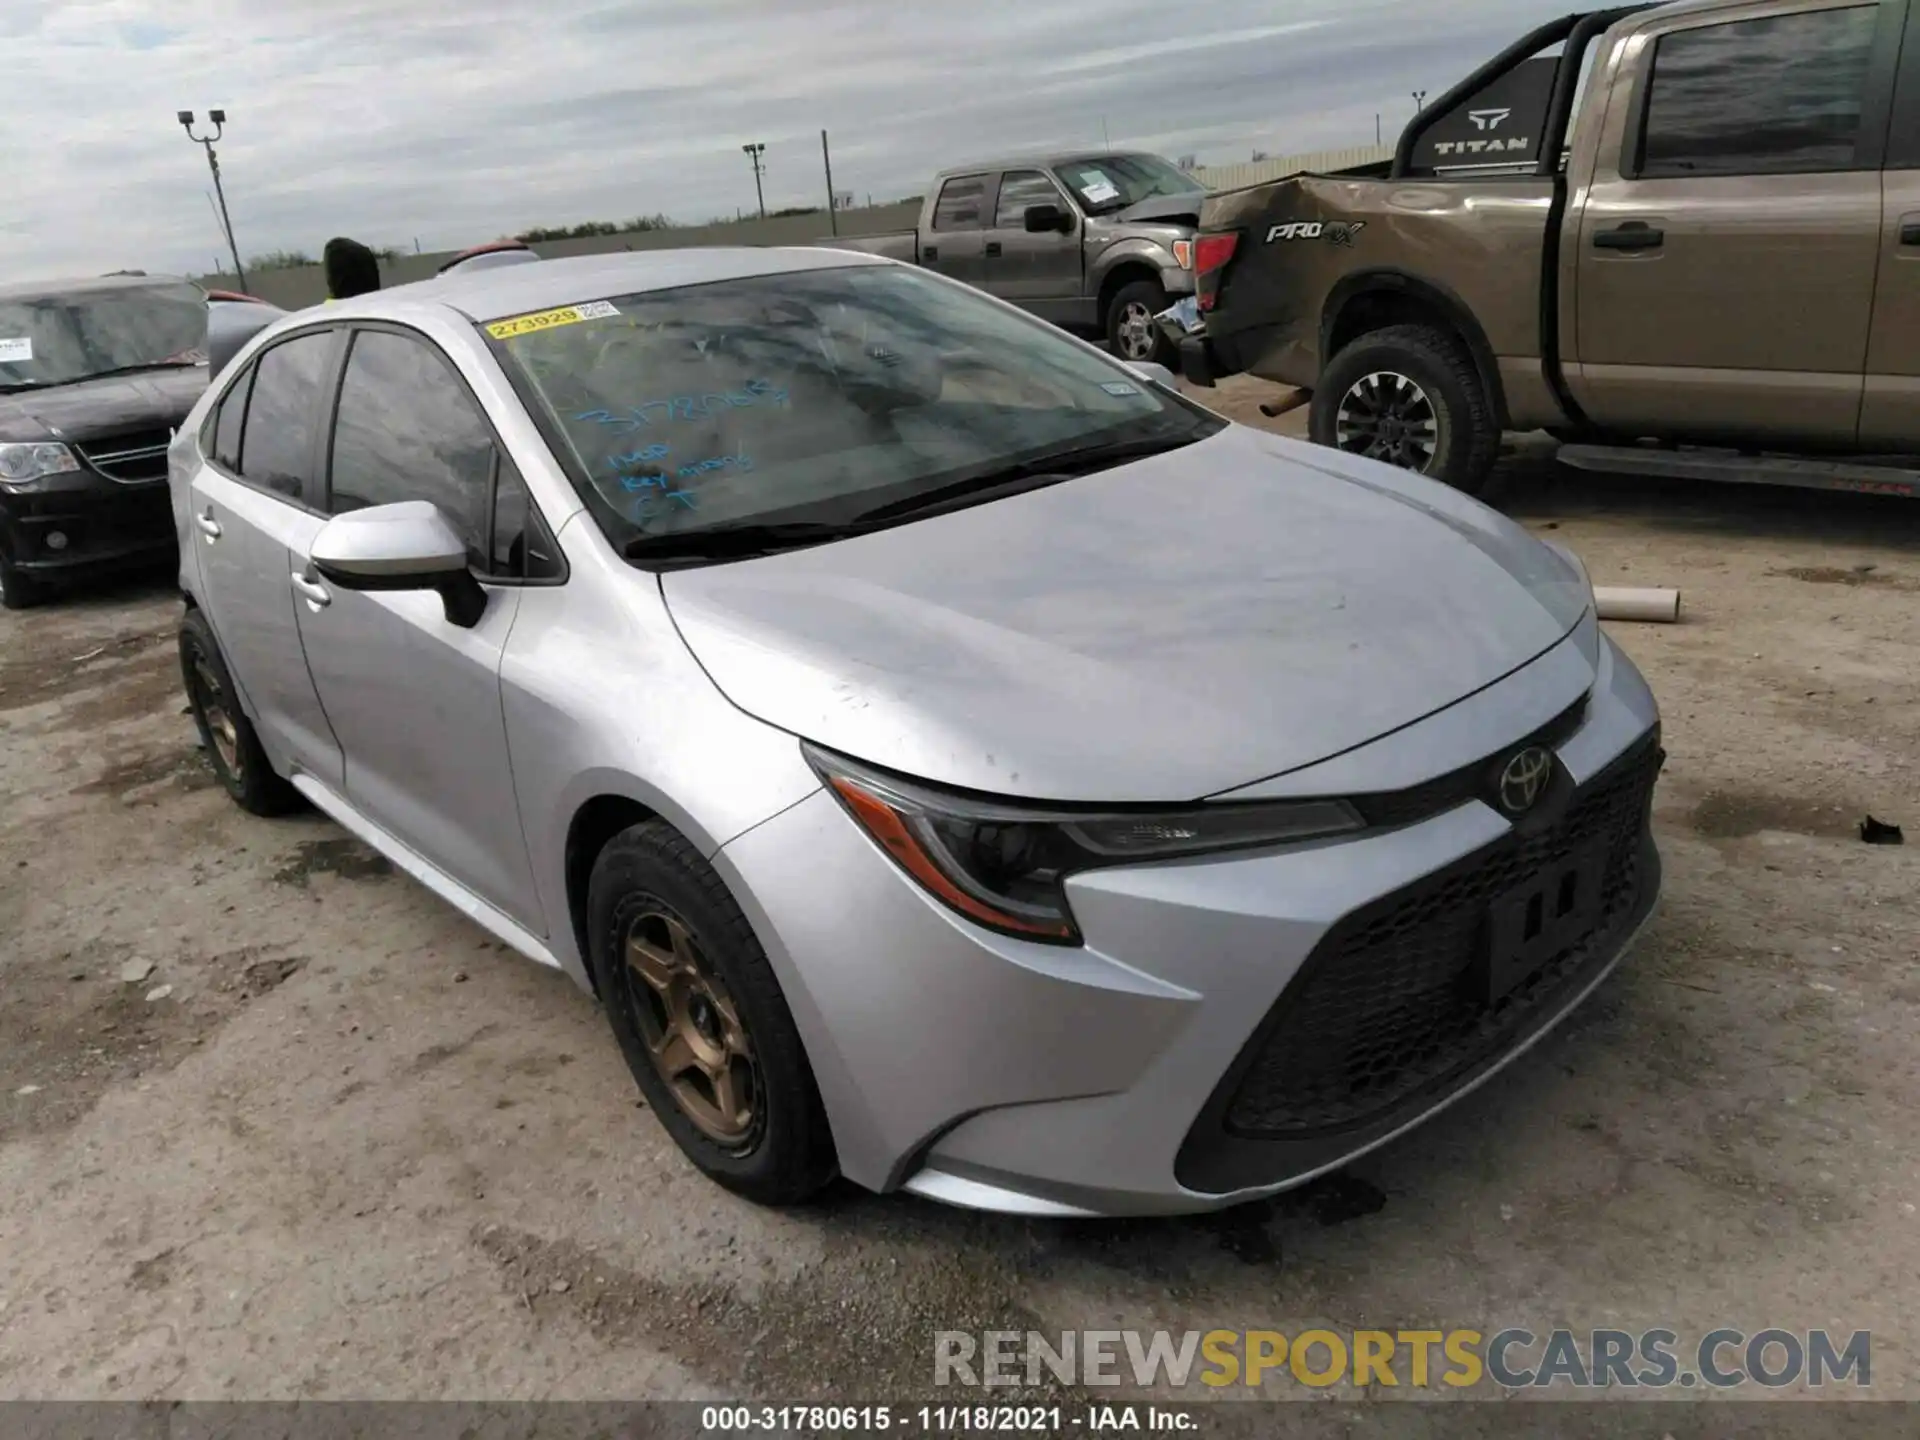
[(701, 1020), (17, 592), (1132, 333), (1410, 396)]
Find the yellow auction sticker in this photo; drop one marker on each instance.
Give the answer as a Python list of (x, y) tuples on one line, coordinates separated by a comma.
[(548, 319)]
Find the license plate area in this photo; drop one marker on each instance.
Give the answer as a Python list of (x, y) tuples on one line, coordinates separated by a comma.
[(1532, 923)]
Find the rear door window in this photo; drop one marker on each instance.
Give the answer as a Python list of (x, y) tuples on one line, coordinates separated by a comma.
[(1779, 95), (226, 429), (959, 205), (277, 446)]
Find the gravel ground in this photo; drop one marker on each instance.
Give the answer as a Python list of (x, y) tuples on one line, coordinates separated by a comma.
[(276, 1123)]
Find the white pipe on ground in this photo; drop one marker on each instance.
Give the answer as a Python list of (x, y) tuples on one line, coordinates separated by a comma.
[(1662, 607)]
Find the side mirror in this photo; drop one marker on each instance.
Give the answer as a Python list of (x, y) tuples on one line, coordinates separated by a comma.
[(1156, 372), (405, 546), (1042, 218)]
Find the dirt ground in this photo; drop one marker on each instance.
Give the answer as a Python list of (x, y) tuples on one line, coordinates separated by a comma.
[(275, 1123)]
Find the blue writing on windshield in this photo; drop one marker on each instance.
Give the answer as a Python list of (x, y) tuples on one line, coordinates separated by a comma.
[(648, 455), (718, 462), (686, 407)]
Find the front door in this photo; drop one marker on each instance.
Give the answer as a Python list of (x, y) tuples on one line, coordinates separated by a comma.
[(956, 245), (1040, 271), (252, 525), (1728, 244), (414, 698), (1890, 408)]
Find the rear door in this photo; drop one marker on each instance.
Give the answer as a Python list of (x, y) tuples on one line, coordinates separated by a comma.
[(1890, 407), (254, 517), (414, 698), (956, 245), (1728, 242), (1040, 271)]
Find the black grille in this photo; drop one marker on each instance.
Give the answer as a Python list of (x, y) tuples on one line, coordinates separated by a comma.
[(1394, 1002), (131, 459)]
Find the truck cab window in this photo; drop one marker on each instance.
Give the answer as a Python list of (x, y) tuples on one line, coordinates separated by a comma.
[(1774, 96), (1020, 189)]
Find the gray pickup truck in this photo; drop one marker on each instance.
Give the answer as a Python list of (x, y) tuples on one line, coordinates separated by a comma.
[(1684, 239), (1090, 241)]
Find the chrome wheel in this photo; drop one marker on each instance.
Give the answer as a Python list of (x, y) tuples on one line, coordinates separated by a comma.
[(1134, 334), (692, 1030), (1387, 416), (211, 699)]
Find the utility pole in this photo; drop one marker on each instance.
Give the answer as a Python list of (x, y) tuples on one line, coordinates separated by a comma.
[(754, 152), (1105, 143), (218, 119), (1376, 129), (833, 203)]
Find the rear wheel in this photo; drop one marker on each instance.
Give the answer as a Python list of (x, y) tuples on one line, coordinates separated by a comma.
[(232, 747), (1409, 396), (701, 1019), (18, 592), (1131, 331)]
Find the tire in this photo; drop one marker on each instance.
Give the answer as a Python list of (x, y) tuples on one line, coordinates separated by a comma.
[(232, 745), (703, 993), (1129, 303), (17, 591), (1423, 380)]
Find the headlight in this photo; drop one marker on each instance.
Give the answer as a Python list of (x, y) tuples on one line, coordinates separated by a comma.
[(1002, 864), (22, 464)]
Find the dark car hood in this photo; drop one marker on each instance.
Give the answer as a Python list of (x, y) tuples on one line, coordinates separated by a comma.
[(1170, 208), (1166, 630), (113, 406)]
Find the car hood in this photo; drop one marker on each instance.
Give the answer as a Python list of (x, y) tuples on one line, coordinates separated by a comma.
[(1167, 630), (1170, 208), (111, 406)]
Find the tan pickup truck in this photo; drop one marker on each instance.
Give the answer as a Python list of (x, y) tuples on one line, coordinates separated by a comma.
[(1683, 238)]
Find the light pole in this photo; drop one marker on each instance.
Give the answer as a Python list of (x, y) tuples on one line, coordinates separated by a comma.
[(1419, 101), (754, 152), (218, 119)]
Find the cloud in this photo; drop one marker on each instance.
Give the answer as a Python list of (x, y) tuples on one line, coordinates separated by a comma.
[(452, 121)]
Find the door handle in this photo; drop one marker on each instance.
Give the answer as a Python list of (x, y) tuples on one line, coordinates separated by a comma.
[(209, 526), (317, 594), (993, 249), (931, 253), (1910, 232), (1630, 235)]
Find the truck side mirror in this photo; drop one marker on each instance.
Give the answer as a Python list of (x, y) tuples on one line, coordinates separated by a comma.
[(1042, 218)]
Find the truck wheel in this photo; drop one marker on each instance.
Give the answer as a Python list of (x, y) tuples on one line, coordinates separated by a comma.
[(1410, 396), (1131, 332)]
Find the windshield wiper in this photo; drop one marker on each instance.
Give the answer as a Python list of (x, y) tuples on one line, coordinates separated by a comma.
[(1054, 465), (735, 542)]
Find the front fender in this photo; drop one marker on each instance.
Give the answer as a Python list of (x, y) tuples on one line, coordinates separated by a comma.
[(1138, 251)]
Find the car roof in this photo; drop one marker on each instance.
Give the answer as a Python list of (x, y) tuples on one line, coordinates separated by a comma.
[(493, 294), (86, 284)]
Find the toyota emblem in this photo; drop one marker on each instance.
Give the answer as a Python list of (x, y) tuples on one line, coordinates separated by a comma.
[(1524, 780)]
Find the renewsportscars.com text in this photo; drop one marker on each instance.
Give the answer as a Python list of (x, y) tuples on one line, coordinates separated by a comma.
[(1513, 1358)]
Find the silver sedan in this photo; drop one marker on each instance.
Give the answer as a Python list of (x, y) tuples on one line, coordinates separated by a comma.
[(955, 760)]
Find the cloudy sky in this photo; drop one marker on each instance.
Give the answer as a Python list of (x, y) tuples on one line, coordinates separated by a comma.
[(452, 121)]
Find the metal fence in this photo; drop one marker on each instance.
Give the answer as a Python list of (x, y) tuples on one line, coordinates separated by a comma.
[(1258, 172)]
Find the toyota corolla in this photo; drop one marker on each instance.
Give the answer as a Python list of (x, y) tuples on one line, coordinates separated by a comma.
[(954, 760)]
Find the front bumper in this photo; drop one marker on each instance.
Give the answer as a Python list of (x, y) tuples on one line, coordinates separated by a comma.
[(1233, 1026), (85, 528)]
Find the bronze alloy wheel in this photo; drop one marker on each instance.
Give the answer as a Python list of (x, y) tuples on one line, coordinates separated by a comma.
[(693, 1031), (213, 705)]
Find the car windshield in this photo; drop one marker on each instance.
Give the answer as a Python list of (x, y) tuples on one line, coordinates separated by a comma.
[(62, 336), (1105, 183), (818, 397)]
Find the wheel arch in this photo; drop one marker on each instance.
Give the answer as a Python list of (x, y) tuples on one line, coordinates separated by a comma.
[(1376, 299), (594, 824), (1122, 273)]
